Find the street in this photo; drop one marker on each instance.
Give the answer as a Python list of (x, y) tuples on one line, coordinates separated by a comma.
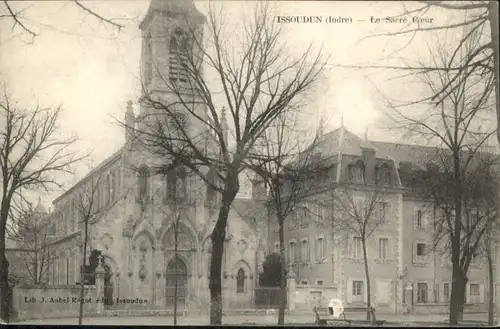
[(305, 319)]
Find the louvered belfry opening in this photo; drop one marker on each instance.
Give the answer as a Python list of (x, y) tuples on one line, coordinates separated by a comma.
[(178, 60)]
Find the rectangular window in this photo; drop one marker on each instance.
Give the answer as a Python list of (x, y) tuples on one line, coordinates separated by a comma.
[(304, 217), (383, 212), (387, 177), (321, 213), (419, 218), (474, 293), (421, 253), (277, 247), (320, 248), (474, 289), (319, 282), (446, 292), (305, 250), (383, 246), (292, 252), (295, 220), (357, 251), (357, 291), (421, 292), (303, 282)]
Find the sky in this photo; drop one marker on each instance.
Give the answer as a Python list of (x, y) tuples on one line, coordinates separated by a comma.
[(91, 69)]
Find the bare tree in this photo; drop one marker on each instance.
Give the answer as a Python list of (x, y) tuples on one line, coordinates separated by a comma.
[(89, 211), (29, 229), (358, 213), (19, 18), (478, 18), (478, 201), (258, 82), (288, 169), (457, 124), (31, 155)]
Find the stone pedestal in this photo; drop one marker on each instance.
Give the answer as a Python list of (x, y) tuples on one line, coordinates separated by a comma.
[(290, 290), (99, 284)]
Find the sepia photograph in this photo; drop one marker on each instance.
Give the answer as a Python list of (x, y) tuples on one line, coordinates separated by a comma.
[(255, 163)]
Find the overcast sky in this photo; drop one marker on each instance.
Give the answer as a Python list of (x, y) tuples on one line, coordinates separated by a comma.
[(92, 70)]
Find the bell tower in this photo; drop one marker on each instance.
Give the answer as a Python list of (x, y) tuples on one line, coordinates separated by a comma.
[(171, 31), (167, 32)]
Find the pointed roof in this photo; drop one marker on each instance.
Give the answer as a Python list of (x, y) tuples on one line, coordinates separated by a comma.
[(40, 209), (170, 7)]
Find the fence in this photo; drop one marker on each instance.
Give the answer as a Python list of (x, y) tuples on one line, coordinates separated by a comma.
[(268, 297)]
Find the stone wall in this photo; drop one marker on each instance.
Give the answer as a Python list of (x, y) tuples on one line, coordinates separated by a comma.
[(303, 298), (36, 302), (444, 308)]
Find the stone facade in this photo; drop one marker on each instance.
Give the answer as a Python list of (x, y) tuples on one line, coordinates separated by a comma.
[(319, 253), (136, 217)]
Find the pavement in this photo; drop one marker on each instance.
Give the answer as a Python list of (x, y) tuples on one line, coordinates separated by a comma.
[(298, 319)]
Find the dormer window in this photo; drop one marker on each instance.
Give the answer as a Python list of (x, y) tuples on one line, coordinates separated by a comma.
[(178, 50), (386, 174), (357, 172)]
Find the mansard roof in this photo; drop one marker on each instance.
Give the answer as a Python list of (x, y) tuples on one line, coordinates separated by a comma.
[(342, 141)]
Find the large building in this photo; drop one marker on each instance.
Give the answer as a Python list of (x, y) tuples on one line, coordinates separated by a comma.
[(134, 225), (400, 249), (135, 214)]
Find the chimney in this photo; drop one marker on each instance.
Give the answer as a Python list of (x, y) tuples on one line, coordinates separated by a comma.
[(369, 161)]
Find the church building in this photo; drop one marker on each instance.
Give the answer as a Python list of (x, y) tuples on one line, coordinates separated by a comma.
[(138, 215)]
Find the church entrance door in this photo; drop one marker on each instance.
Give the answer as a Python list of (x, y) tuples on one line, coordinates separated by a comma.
[(176, 271)]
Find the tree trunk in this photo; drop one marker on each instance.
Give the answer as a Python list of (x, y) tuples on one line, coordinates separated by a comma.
[(455, 295), (281, 314), (82, 274), (367, 274), (4, 274), (218, 237), (491, 304), (176, 269)]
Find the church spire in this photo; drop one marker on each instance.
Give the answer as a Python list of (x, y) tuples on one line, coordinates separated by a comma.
[(129, 122), (39, 207)]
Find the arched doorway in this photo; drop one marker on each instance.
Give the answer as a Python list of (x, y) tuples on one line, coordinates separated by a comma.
[(176, 274)]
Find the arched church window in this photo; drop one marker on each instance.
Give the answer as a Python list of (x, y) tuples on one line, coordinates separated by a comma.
[(176, 184), (178, 48), (109, 189), (240, 281), (114, 184), (148, 58), (143, 183)]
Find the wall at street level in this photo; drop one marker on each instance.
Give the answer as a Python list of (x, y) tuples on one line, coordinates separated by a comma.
[(34, 302)]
